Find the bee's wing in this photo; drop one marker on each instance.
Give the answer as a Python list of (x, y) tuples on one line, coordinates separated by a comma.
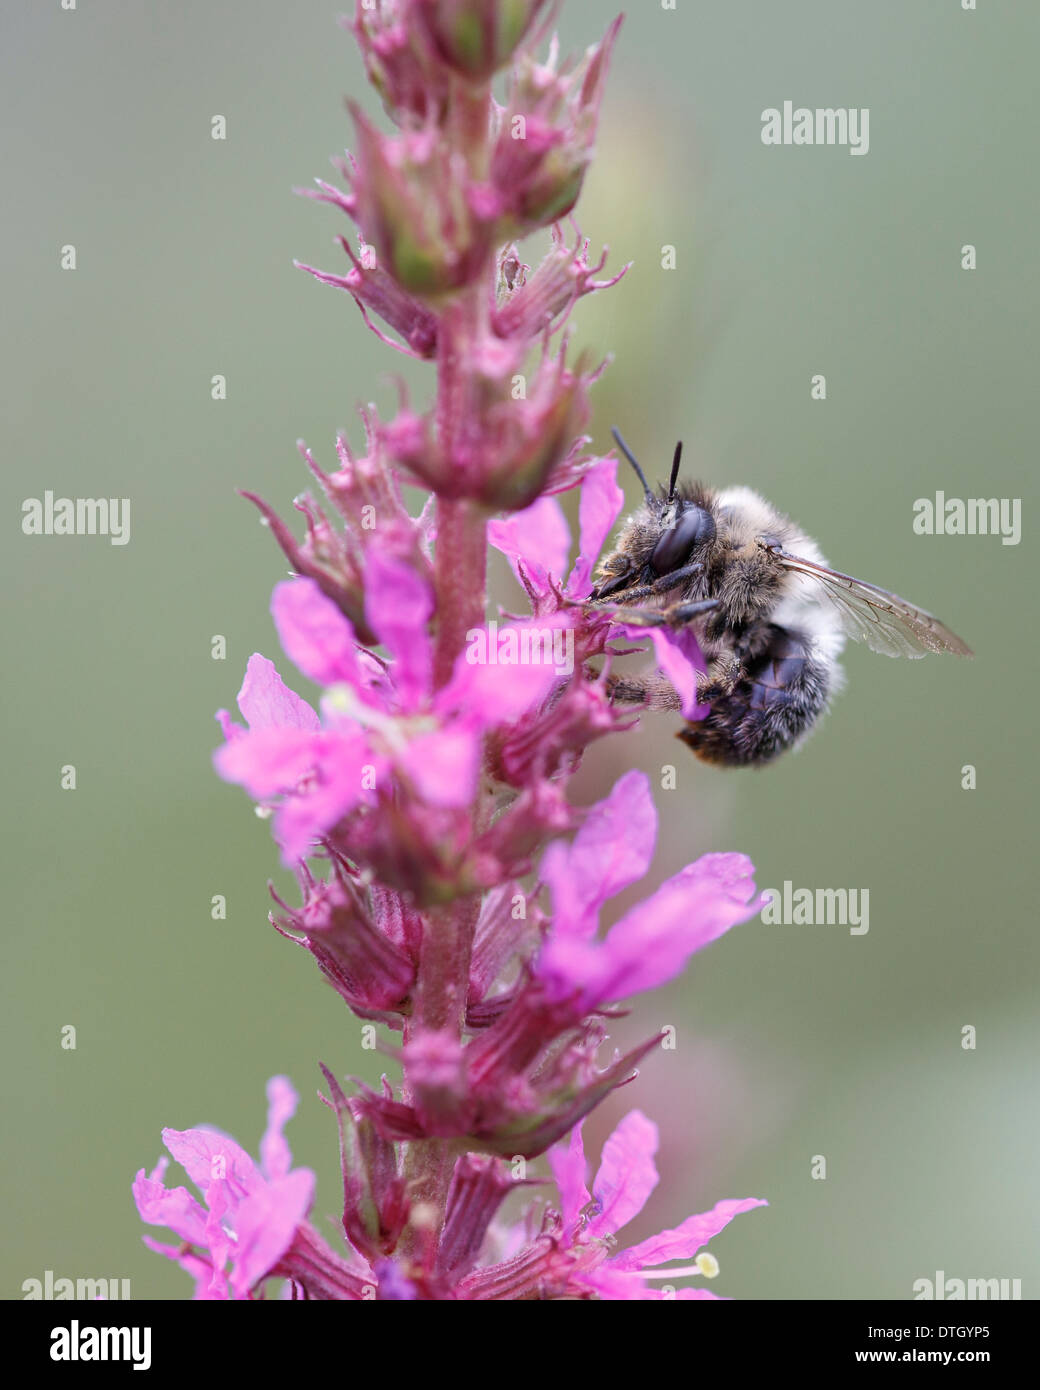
[(886, 622)]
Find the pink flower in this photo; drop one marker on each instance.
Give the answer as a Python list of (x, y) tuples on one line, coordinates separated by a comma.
[(652, 942), (530, 1073), (250, 1214), (588, 1261), (383, 721)]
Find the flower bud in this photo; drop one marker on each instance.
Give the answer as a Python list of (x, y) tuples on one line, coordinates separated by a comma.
[(365, 967), (431, 226), (526, 438), (398, 63), (375, 1206), (476, 37), (561, 1106), (546, 135), (324, 555), (367, 497), (478, 1186)]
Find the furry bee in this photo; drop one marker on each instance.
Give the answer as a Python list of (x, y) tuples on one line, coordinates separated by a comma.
[(770, 616)]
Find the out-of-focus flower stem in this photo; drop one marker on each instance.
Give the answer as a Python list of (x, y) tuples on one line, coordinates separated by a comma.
[(460, 578), (440, 1006), (469, 109), (442, 984), (444, 965), (428, 1168)]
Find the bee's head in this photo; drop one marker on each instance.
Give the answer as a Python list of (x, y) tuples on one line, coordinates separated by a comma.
[(683, 523), (684, 527), (662, 536)]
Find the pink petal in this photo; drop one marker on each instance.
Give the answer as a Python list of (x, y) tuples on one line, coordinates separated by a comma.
[(201, 1270), (443, 766), (611, 1285), (567, 1161), (265, 1224), (601, 503), (315, 634), (627, 1174), (228, 726), (683, 1242), (652, 943), (209, 1157), (218, 1236), (612, 849), (537, 536), (175, 1208), (267, 703), (344, 765), (275, 1156), (398, 604), (489, 694), (267, 761)]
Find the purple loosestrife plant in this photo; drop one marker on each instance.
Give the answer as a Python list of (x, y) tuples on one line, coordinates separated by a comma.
[(448, 889)]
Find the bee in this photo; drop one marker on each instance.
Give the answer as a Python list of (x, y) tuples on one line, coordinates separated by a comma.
[(769, 614)]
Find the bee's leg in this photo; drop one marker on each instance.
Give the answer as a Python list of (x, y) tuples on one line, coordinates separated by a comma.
[(610, 585), (662, 585), (678, 615), (653, 690), (723, 675), (677, 577), (649, 689), (681, 613)]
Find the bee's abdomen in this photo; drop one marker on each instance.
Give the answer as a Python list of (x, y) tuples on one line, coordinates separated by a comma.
[(776, 702)]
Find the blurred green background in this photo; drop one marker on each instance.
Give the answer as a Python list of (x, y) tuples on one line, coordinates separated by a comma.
[(791, 1041)]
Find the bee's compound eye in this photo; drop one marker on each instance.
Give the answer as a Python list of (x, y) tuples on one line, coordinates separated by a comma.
[(694, 527)]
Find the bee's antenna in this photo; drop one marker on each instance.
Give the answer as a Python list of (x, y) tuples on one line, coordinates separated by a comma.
[(632, 460), (675, 470)]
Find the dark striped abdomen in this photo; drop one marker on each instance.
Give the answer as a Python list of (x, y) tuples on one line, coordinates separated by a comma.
[(772, 707)]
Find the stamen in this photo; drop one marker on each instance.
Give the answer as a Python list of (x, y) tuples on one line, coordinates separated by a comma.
[(705, 1264)]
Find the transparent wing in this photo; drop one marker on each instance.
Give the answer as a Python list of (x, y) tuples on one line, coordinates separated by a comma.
[(886, 622)]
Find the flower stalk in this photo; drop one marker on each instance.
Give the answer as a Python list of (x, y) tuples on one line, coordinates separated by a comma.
[(460, 581)]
